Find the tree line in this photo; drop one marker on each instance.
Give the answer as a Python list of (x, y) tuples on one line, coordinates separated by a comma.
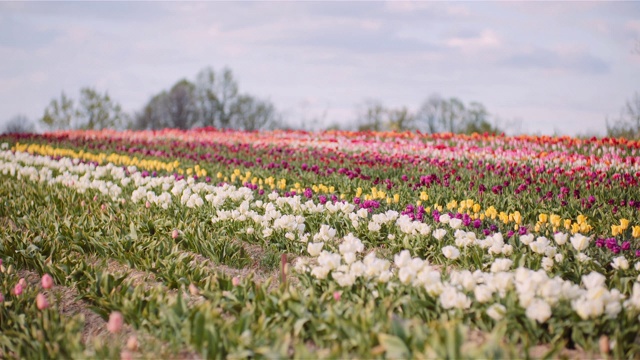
[(214, 99), (435, 115)]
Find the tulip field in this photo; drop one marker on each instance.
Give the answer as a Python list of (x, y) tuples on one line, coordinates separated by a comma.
[(286, 244)]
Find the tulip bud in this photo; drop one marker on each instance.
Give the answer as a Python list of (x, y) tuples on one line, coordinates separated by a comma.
[(116, 320), (82, 203), (175, 233), (41, 302), (235, 281), (337, 295), (603, 344), (132, 343), (147, 204), (22, 282), (95, 198), (1, 298), (126, 355), (17, 290), (47, 281), (103, 207), (193, 290)]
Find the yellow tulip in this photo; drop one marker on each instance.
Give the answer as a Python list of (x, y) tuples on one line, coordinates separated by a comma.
[(517, 217), (504, 217), (585, 228), (575, 228), (581, 218), (542, 218), (624, 224), (615, 230)]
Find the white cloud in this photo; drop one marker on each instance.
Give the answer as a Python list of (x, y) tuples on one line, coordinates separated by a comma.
[(486, 39), (407, 6), (633, 25), (313, 59)]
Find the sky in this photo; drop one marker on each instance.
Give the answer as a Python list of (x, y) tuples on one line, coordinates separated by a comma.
[(538, 67)]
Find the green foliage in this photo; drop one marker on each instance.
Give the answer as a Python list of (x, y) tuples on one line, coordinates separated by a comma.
[(98, 111), (60, 114), (94, 111)]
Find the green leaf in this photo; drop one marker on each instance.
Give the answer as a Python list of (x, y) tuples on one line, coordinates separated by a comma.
[(298, 326), (393, 346), (133, 234)]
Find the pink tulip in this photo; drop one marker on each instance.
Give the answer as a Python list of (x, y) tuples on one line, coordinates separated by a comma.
[(17, 290), (41, 301), (126, 355), (235, 281), (1, 298), (116, 320), (132, 343), (175, 234), (147, 204), (47, 281), (337, 295)]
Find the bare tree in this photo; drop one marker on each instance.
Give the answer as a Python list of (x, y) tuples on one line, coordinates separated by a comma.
[(207, 97), (227, 92), (182, 105), (372, 116), (155, 114), (628, 124), (400, 119), (440, 115), (19, 124), (429, 116), (93, 111), (60, 114), (98, 111), (213, 100), (251, 114)]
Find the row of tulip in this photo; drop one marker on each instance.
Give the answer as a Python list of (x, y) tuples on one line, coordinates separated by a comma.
[(571, 221), (287, 216)]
